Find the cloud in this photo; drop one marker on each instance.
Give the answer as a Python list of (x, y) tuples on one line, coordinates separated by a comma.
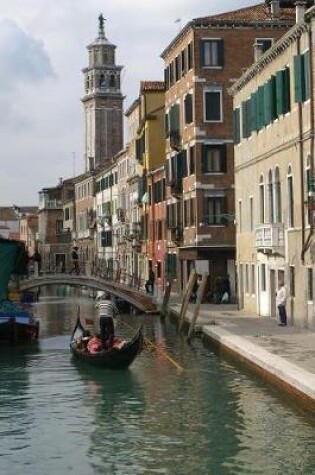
[(22, 57)]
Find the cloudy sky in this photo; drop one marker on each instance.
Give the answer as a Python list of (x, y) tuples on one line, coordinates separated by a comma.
[(42, 51)]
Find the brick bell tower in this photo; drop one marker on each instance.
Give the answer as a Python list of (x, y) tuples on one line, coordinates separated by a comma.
[(103, 102)]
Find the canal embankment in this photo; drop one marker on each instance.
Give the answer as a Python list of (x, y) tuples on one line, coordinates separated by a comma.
[(284, 356)]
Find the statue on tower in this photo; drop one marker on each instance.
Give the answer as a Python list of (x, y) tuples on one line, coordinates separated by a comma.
[(101, 25)]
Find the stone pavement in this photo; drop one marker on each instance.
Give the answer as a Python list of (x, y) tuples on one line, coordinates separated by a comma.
[(284, 355)]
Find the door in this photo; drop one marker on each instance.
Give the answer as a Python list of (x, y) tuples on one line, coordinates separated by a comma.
[(273, 287)]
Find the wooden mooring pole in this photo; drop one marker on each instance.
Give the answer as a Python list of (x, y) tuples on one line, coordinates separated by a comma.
[(200, 295), (166, 298), (187, 295)]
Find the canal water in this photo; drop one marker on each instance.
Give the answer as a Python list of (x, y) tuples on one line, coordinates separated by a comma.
[(213, 417)]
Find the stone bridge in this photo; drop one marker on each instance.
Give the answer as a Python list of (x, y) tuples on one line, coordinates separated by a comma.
[(138, 299)]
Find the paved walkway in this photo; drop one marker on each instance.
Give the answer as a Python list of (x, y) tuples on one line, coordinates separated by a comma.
[(285, 355)]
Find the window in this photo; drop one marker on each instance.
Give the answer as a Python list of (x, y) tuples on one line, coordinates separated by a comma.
[(270, 197), (188, 109), (302, 77), (59, 226), (213, 105), (183, 62), (159, 270), (214, 158), (192, 212), (290, 199), (261, 200), (190, 56), (263, 277), (215, 210), (192, 160), (253, 279), (159, 230), (251, 213), (265, 43), (236, 126), (310, 284), (277, 192), (309, 185), (212, 53), (283, 91), (292, 280)]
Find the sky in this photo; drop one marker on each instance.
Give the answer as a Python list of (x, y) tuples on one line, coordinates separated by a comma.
[(42, 54)]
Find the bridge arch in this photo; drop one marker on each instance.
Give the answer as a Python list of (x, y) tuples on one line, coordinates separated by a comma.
[(139, 300)]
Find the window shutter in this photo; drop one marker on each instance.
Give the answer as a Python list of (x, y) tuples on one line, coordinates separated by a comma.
[(253, 112), (279, 92), (236, 128), (174, 118), (180, 167), (286, 90), (267, 102), (221, 53), (298, 78), (261, 112), (204, 156), (306, 67), (166, 125), (273, 98), (184, 154), (223, 157), (244, 120)]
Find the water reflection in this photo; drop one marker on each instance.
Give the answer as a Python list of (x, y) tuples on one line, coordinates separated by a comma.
[(214, 417)]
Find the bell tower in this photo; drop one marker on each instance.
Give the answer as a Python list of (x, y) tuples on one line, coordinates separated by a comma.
[(103, 102)]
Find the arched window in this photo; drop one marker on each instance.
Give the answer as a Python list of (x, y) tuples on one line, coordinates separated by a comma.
[(112, 80), (270, 197), (290, 198), (277, 193), (261, 200)]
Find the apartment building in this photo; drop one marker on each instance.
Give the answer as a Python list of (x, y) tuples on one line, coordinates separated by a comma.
[(274, 175), (200, 65)]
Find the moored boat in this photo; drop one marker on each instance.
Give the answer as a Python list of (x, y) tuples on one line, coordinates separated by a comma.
[(119, 356), (16, 324)]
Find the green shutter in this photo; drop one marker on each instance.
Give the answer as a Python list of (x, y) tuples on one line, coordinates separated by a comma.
[(236, 129), (174, 118), (286, 90), (279, 92), (273, 98), (244, 120), (299, 92), (254, 112), (267, 102), (306, 64), (261, 113)]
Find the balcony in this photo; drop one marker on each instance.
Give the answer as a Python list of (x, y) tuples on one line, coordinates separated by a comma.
[(50, 204), (270, 238)]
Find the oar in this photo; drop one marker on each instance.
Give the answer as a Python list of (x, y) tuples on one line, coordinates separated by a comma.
[(150, 343)]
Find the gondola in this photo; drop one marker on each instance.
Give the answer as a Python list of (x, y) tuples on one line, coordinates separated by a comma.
[(113, 358)]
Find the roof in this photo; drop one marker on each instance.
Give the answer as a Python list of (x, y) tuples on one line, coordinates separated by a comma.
[(255, 15), (7, 213), (149, 86)]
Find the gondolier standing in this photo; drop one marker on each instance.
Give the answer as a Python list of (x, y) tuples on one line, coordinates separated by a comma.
[(107, 312)]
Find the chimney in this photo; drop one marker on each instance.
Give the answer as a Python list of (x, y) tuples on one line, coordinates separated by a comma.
[(275, 8), (258, 50), (300, 9)]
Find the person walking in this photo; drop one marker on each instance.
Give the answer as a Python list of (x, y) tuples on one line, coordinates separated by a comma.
[(281, 297), (75, 260), (150, 282), (107, 312)]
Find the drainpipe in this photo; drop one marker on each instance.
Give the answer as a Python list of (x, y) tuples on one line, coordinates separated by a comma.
[(306, 244)]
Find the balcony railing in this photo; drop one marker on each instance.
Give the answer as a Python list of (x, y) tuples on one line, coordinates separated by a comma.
[(270, 236)]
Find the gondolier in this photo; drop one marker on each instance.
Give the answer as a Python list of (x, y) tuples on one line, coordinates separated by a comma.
[(107, 312)]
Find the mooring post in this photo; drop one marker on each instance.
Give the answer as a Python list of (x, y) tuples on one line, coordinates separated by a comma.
[(166, 298), (200, 295), (187, 295)]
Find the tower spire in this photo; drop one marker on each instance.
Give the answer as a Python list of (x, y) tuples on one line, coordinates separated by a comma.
[(101, 33)]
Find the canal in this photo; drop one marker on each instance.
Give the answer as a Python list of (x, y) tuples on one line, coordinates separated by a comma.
[(214, 417)]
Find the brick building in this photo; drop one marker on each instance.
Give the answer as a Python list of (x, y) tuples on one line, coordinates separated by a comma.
[(200, 64)]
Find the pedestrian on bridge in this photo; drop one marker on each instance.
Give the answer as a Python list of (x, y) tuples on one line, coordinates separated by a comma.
[(75, 260)]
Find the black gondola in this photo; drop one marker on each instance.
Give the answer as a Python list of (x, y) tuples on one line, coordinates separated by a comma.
[(113, 358)]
